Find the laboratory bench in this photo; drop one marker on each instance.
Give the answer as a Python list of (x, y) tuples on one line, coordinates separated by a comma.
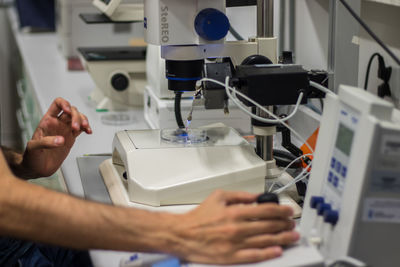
[(44, 77)]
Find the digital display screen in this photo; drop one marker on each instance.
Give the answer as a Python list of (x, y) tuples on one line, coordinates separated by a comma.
[(106, 1), (344, 139)]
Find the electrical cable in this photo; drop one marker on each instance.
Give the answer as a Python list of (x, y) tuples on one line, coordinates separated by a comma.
[(370, 32), (235, 34), (244, 108), (288, 166), (297, 179), (321, 88), (178, 115), (277, 119), (368, 69)]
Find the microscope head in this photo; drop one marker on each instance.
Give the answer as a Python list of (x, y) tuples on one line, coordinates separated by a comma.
[(185, 30)]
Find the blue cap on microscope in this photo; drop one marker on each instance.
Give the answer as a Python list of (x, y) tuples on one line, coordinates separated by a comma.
[(211, 24)]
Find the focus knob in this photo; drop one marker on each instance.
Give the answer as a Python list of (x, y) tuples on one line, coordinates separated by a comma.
[(119, 82), (211, 24)]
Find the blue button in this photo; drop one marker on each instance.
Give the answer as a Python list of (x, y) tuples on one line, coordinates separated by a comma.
[(322, 207), (315, 201), (333, 163), (211, 24), (338, 166), (331, 217), (330, 177), (335, 181), (344, 171)]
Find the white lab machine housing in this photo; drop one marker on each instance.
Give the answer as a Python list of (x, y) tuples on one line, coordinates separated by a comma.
[(105, 95), (355, 181), (73, 32), (116, 10), (159, 172), (171, 22)]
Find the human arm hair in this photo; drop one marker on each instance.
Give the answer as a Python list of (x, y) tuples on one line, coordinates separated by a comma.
[(227, 228)]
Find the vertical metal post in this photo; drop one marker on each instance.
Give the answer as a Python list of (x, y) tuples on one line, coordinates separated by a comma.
[(292, 19), (343, 55), (265, 143), (282, 26), (265, 18)]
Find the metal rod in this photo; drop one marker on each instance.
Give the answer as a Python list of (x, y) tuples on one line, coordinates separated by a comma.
[(265, 18), (265, 144)]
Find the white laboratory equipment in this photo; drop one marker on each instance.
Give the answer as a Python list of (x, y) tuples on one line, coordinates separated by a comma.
[(156, 170), (119, 72), (352, 206), (189, 32), (119, 75), (117, 10), (73, 32)]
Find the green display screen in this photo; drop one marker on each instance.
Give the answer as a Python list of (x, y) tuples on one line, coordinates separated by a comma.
[(344, 139), (106, 1)]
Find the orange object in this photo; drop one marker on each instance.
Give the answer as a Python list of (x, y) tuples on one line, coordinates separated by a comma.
[(312, 141)]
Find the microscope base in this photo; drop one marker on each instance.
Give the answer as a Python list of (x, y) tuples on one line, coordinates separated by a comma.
[(102, 102)]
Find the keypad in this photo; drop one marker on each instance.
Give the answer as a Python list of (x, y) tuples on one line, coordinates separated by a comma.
[(337, 172)]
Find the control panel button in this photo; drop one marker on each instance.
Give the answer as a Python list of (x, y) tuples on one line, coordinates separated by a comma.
[(338, 166), (331, 217), (330, 177), (335, 181), (344, 171), (315, 200), (333, 163), (322, 207)]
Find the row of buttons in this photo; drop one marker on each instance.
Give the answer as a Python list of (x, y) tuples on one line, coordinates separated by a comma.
[(340, 168), (324, 209)]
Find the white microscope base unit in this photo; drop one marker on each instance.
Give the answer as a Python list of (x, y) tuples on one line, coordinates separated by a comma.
[(164, 173), (159, 114)]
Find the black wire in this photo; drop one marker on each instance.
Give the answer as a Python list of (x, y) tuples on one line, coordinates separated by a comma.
[(178, 115), (235, 34), (368, 69), (370, 32)]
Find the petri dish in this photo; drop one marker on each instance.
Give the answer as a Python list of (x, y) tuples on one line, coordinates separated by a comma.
[(184, 136)]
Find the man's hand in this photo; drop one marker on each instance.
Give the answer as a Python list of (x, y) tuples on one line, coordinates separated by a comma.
[(227, 228), (52, 140)]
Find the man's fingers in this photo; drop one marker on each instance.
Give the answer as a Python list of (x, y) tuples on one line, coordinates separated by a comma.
[(76, 120), (257, 255), (260, 211), (262, 241), (231, 198), (46, 142), (85, 124), (58, 105), (253, 228)]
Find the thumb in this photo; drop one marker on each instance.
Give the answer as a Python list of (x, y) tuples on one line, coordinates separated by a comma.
[(46, 142)]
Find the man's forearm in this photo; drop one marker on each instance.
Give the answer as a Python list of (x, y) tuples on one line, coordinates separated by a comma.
[(31, 212)]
